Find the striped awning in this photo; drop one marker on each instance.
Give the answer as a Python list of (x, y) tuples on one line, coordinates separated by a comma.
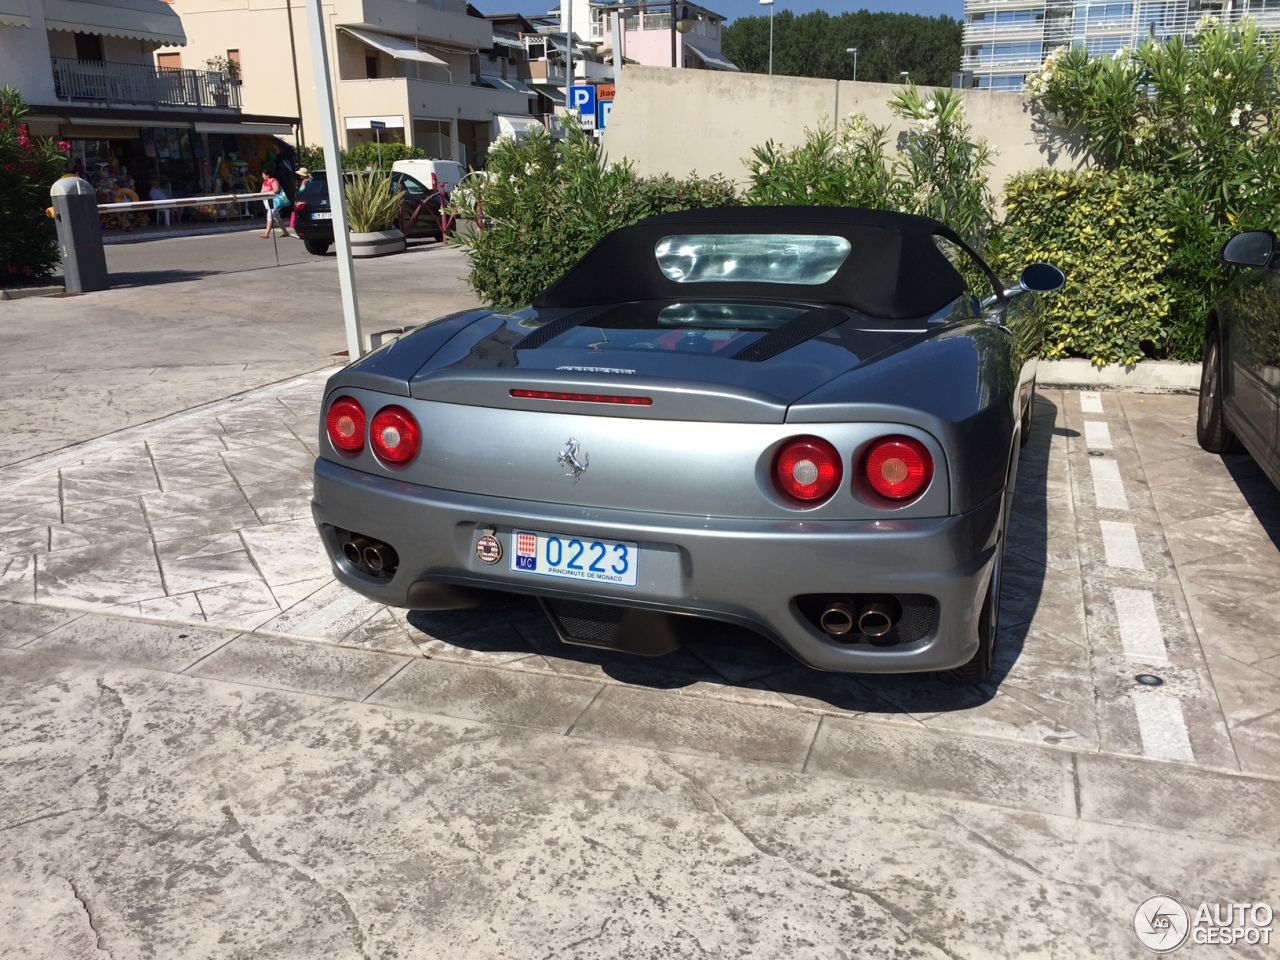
[(152, 20), (13, 13)]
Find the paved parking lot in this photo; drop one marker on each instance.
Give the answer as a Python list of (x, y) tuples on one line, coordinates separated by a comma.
[(1132, 552), (211, 749)]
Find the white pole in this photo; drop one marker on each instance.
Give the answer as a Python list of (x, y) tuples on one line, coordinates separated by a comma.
[(568, 36), (333, 168), (615, 34)]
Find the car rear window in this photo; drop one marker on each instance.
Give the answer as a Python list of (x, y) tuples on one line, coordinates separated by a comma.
[(687, 327), (806, 259)]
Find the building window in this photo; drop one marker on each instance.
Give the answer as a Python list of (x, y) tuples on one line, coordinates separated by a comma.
[(370, 67), (657, 21), (89, 47), (233, 56), (169, 61)]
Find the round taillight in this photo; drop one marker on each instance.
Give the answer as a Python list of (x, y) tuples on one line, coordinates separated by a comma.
[(394, 435), (807, 469), (345, 424), (897, 468)]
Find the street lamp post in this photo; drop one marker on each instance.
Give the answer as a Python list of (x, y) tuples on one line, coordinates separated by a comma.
[(683, 24), (854, 51), (769, 4)]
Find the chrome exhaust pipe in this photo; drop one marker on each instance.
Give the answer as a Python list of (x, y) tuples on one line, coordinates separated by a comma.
[(875, 620), (379, 556), (353, 550), (837, 619)]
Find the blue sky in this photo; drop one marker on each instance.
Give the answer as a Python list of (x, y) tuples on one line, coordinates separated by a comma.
[(750, 8)]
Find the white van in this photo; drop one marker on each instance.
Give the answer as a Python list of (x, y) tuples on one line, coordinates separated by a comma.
[(448, 173)]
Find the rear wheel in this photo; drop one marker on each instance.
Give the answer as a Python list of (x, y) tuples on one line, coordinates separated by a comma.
[(1211, 424), (980, 665), (317, 247)]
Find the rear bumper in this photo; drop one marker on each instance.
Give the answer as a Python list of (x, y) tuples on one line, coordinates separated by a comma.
[(741, 571)]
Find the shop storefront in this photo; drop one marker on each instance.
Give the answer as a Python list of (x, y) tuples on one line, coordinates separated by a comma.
[(127, 163)]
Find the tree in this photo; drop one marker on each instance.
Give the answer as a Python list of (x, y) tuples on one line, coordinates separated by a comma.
[(816, 44), (28, 167)]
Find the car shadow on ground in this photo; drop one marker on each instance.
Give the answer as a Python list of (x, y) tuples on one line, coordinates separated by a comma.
[(1258, 491), (724, 654), (150, 278)]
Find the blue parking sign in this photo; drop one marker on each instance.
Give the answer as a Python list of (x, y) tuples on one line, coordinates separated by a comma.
[(603, 109), (582, 101)]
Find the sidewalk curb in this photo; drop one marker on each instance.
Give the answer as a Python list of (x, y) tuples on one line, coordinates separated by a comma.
[(1149, 376), (21, 293)]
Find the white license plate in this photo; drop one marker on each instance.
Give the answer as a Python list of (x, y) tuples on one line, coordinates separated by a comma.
[(322, 216), (588, 559)]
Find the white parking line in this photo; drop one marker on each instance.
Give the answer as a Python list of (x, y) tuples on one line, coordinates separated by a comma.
[(1162, 726), (1091, 402), (1097, 435), (1108, 489), (1140, 632), (1120, 543)]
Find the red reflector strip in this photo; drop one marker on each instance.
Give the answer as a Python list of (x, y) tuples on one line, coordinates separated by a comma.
[(581, 397)]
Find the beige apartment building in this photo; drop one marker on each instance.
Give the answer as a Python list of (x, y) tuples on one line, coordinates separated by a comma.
[(409, 64)]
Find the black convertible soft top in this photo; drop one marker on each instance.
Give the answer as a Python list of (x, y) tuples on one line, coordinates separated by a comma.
[(895, 269)]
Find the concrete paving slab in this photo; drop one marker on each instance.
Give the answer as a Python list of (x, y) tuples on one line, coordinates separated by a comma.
[(946, 765), (297, 665), (493, 696), (278, 798), (710, 729), (120, 641)]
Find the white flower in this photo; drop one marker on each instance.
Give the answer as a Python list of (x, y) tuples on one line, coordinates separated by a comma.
[(1213, 109), (1235, 117), (808, 189), (930, 105), (763, 169), (1186, 89), (1137, 141), (1248, 108)]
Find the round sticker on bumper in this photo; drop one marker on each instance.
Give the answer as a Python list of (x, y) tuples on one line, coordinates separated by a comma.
[(489, 549)]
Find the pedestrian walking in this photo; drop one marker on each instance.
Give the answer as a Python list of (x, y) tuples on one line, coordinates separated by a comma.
[(304, 175), (272, 193)]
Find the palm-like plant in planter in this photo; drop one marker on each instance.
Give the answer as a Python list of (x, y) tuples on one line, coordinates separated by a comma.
[(372, 209)]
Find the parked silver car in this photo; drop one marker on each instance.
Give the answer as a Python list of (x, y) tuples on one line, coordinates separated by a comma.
[(796, 420)]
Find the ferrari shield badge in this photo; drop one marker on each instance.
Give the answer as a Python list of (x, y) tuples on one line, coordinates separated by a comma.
[(489, 549), (575, 458)]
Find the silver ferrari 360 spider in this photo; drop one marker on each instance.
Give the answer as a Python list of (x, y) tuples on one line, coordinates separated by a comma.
[(797, 420)]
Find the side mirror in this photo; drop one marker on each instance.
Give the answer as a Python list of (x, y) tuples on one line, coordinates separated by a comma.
[(1036, 278), (1253, 248), (1041, 278)]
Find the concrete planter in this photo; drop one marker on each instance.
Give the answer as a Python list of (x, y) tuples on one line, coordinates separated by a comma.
[(377, 244)]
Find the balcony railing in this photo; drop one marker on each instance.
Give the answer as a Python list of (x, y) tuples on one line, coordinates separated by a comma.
[(140, 83), (1097, 34)]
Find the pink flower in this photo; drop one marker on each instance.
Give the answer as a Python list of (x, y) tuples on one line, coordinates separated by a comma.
[(12, 268), (64, 146), (10, 167), (27, 271)]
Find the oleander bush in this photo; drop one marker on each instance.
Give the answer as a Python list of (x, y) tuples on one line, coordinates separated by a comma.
[(28, 167), (1201, 119), (939, 170), (540, 204), (1106, 231)]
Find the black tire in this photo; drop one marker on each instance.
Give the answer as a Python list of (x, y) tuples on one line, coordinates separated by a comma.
[(980, 665), (1027, 415), (1211, 424), (978, 669), (316, 247)]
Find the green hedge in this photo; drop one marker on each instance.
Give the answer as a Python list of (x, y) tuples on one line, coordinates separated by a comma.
[(1106, 231)]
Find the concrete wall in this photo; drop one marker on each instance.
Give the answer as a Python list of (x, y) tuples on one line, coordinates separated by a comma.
[(677, 121)]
